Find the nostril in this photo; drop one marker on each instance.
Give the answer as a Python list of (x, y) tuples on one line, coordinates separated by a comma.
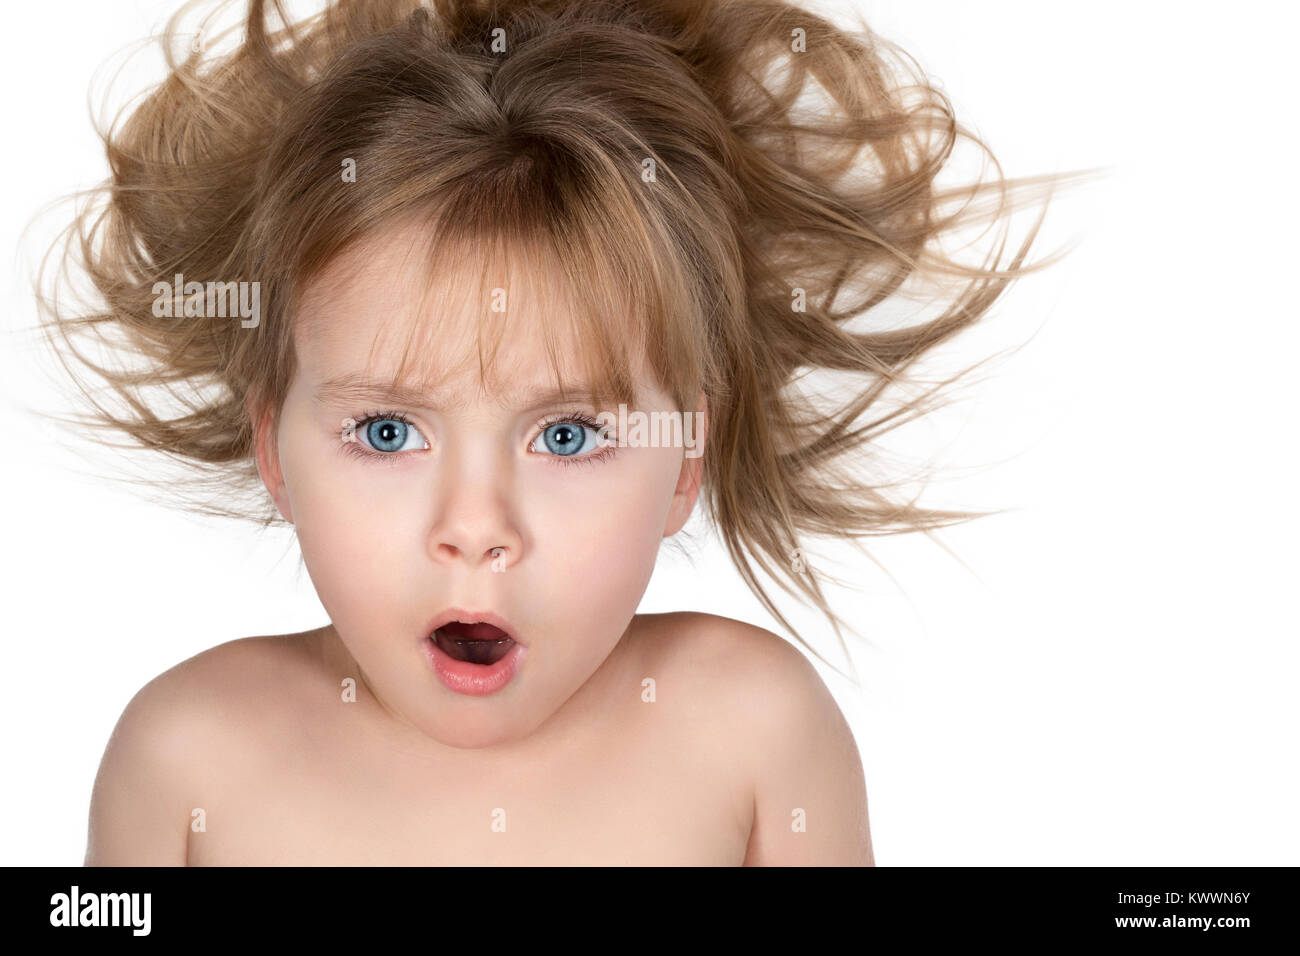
[(448, 551)]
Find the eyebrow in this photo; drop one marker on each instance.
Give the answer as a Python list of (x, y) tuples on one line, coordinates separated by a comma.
[(355, 388)]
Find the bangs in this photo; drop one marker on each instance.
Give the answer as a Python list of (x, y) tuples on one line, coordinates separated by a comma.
[(515, 268), (511, 287)]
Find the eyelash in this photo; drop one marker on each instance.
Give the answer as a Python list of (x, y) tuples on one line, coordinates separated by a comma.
[(359, 449), (577, 418)]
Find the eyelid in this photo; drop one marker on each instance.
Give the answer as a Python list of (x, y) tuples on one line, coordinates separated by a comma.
[(575, 418), (572, 415), (363, 422), (602, 452)]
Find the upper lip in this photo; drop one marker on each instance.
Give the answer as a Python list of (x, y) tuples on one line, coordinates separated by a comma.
[(472, 617)]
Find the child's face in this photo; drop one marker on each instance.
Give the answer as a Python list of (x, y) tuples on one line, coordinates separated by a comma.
[(399, 524)]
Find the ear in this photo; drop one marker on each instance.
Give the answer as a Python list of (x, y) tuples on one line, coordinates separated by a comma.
[(268, 459), (695, 430)]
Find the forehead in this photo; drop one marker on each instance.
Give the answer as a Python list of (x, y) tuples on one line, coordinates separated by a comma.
[(443, 320)]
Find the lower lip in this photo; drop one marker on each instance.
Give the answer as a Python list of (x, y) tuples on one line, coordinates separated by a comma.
[(476, 680)]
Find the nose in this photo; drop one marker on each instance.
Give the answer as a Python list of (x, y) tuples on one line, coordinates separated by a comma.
[(474, 523)]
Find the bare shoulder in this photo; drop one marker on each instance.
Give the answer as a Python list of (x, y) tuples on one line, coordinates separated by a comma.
[(746, 665), (237, 679), (788, 736), (242, 667), (173, 734)]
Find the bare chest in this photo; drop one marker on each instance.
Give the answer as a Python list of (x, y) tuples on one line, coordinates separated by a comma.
[(632, 801)]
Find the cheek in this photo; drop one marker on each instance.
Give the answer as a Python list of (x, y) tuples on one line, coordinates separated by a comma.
[(345, 528), (603, 534)]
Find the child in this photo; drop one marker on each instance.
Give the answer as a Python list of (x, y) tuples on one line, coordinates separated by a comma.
[(483, 297)]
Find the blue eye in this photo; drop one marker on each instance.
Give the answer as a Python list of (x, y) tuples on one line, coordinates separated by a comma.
[(567, 439), (391, 435)]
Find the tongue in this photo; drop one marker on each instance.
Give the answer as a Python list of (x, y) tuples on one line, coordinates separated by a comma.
[(477, 643)]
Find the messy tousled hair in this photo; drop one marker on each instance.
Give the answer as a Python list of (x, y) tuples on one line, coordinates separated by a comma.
[(661, 152)]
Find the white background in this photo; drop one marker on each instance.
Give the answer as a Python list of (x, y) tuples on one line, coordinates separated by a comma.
[(1110, 681)]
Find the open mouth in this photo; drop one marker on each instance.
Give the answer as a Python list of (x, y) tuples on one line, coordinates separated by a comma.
[(473, 642)]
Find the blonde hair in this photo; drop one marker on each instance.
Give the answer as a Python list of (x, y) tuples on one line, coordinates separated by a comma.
[(657, 151)]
